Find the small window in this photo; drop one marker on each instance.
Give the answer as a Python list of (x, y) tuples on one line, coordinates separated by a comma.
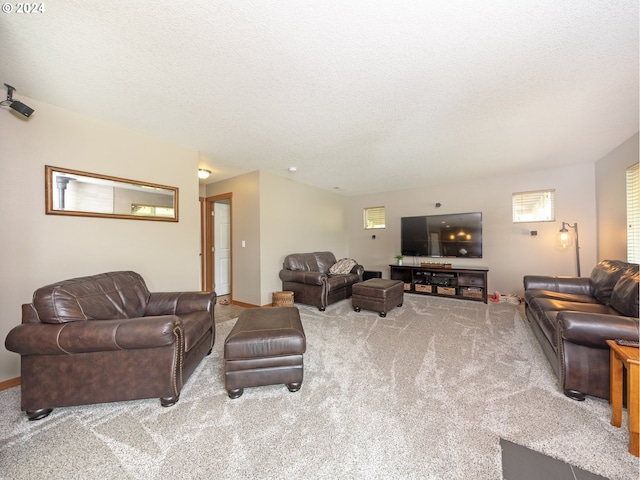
[(374, 217), (151, 210), (633, 214), (536, 206)]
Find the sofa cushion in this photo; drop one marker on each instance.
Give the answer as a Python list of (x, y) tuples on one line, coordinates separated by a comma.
[(548, 323), (304, 262), (624, 297), (310, 262), (604, 277), (105, 296), (572, 297), (324, 260), (195, 326), (340, 281), (342, 266), (542, 305)]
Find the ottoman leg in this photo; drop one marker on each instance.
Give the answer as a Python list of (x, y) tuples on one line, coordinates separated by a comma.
[(169, 401), (235, 393), (294, 387), (39, 413)]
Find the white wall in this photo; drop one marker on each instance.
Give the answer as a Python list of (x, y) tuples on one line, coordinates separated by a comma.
[(38, 249), (509, 251), (612, 200)]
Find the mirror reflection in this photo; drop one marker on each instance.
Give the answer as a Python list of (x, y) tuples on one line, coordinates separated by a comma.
[(71, 192)]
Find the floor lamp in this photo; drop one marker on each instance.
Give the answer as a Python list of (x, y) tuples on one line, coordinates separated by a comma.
[(565, 240)]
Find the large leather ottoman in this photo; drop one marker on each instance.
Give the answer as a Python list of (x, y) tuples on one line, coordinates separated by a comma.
[(378, 295), (265, 347)]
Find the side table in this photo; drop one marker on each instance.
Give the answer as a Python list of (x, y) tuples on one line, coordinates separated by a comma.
[(625, 357), (368, 274)]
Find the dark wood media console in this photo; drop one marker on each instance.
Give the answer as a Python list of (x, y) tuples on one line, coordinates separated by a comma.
[(465, 283)]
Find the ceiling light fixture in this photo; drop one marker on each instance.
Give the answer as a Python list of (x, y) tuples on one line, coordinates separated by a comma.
[(15, 104), (203, 173), (293, 169)]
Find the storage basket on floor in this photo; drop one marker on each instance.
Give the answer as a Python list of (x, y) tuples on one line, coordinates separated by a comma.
[(282, 299)]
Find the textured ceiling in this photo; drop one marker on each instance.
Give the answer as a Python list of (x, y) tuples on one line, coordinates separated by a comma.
[(364, 96)]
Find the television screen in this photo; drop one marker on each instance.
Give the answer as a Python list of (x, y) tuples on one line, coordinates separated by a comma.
[(454, 235)]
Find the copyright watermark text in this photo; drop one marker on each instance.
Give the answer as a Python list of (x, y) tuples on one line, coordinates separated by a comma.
[(23, 8)]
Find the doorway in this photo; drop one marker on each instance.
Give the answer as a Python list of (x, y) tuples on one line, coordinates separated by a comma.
[(217, 256)]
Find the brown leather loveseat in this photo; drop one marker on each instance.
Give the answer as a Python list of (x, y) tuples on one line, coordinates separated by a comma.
[(572, 317), (309, 277), (106, 338)]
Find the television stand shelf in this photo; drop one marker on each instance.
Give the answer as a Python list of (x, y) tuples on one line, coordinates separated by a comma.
[(465, 283)]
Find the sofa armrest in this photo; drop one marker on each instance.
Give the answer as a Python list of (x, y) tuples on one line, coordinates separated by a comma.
[(573, 285), (301, 276), (176, 303), (593, 329), (93, 335), (358, 270)]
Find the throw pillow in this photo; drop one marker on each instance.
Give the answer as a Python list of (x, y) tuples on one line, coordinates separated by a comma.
[(342, 266)]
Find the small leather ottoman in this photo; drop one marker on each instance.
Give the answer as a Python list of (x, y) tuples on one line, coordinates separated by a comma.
[(378, 295), (264, 347)]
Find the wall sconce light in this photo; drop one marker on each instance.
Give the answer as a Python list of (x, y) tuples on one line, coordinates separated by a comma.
[(203, 173), (15, 104), (565, 240)]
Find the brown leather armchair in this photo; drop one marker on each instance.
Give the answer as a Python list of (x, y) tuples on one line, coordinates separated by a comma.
[(309, 277), (106, 338)]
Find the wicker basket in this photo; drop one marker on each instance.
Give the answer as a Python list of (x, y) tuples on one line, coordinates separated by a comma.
[(446, 290), (474, 292), (282, 299)]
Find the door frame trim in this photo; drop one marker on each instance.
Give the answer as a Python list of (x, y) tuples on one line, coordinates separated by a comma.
[(208, 261)]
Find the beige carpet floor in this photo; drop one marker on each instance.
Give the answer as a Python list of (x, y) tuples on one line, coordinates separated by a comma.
[(425, 393)]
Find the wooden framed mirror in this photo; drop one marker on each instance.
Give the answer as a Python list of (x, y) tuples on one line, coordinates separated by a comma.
[(83, 194)]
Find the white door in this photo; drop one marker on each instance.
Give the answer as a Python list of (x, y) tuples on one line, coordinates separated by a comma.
[(222, 247)]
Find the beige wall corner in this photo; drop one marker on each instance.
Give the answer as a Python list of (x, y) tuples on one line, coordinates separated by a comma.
[(612, 201), (275, 216), (297, 218)]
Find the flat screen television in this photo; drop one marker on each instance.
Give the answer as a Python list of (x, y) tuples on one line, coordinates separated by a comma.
[(453, 235)]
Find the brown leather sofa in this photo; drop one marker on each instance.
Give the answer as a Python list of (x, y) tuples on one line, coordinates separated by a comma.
[(308, 276), (106, 338), (572, 317)]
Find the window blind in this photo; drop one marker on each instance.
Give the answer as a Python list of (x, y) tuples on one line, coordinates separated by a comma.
[(538, 206), (374, 217)]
